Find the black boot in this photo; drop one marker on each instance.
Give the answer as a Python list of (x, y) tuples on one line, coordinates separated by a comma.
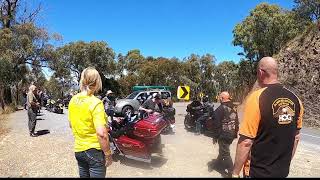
[(32, 134)]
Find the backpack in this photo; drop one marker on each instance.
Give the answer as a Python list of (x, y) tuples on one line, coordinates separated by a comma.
[(230, 122)]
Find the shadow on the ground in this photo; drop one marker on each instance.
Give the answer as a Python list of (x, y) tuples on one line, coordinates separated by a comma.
[(214, 165), (43, 132), (20, 109), (168, 132), (156, 162)]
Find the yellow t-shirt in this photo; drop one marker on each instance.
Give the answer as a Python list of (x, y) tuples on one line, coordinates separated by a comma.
[(86, 113)]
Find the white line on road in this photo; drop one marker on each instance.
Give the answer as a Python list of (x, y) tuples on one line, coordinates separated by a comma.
[(310, 135)]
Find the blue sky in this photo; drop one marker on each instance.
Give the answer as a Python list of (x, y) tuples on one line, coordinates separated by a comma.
[(168, 28)]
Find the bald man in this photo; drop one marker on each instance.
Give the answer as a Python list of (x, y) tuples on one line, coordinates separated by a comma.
[(226, 127), (270, 127)]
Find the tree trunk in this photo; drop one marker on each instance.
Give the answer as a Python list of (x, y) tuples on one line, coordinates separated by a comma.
[(2, 97), (17, 93), (13, 90)]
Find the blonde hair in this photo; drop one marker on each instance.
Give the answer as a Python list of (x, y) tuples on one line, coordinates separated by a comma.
[(32, 88), (90, 80)]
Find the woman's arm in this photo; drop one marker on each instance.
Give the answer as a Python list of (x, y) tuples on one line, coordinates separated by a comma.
[(103, 138)]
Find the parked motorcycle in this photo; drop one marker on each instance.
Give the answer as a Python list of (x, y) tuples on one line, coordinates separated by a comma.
[(193, 114), (136, 138), (58, 107), (55, 106), (50, 104)]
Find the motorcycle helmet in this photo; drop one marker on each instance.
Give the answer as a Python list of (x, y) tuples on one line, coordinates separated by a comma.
[(156, 96), (205, 99), (164, 96), (195, 98)]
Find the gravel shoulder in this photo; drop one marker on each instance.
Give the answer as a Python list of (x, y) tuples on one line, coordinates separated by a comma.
[(184, 154)]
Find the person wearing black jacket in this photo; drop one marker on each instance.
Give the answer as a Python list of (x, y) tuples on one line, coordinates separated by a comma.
[(207, 109), (226, 127)]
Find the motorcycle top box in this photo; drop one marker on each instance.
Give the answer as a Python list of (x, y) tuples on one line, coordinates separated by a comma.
[(149, 127)]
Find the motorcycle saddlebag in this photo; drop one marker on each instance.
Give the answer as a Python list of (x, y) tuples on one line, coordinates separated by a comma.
[(132, 147), (150, 126)]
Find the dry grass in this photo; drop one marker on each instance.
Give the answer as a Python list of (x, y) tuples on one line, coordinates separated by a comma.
[(8, 109), (3, 125), (4, 120)]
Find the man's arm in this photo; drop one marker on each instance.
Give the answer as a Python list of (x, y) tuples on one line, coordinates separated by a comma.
[(242, 153), (144, 107), (296, 141), (218, 114), (299, 126), (248, 130), (217, 117)]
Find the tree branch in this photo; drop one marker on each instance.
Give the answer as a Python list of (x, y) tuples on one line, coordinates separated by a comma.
[(31, 17), (38, 65)]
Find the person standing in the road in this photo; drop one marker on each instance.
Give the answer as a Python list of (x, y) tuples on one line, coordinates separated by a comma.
[(109, 104), (24, 96), (33, 106), (225, 130), (270, 128), (88, 122)]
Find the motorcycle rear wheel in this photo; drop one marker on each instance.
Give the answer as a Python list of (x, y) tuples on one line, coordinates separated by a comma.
[(186, 124)]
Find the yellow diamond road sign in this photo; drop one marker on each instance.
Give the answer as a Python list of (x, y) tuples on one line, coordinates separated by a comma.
[(183, 92), (201, 95)]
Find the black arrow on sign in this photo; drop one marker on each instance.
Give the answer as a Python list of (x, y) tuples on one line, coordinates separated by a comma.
[(185, 92)]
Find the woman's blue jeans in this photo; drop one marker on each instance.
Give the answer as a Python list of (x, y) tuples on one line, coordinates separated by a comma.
[(91, 163)]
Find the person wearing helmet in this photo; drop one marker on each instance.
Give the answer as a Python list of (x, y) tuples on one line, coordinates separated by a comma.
[(109, 104), (207, 109), (195, 107)]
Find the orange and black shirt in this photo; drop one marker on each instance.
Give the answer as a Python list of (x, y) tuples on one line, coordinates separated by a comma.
[(272, 116)]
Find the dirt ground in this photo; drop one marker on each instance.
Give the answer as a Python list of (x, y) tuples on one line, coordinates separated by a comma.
[(4, 130), (184, 154)]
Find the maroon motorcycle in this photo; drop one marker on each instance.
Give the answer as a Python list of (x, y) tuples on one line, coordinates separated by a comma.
[(137, 138)]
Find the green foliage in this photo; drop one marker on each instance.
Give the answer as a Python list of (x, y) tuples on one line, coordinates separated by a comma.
[(227, 75), (54, 88), (266, 30), (73, 58), (308, 9), (25, 50), (6, 73), (133, 60)]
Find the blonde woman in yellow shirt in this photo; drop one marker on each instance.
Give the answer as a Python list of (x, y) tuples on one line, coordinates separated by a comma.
[(88, 122)]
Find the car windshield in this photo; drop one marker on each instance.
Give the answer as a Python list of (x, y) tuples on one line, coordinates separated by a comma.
[(133, 95)]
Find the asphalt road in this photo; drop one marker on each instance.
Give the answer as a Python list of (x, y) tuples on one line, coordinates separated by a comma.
[(184, 154)]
